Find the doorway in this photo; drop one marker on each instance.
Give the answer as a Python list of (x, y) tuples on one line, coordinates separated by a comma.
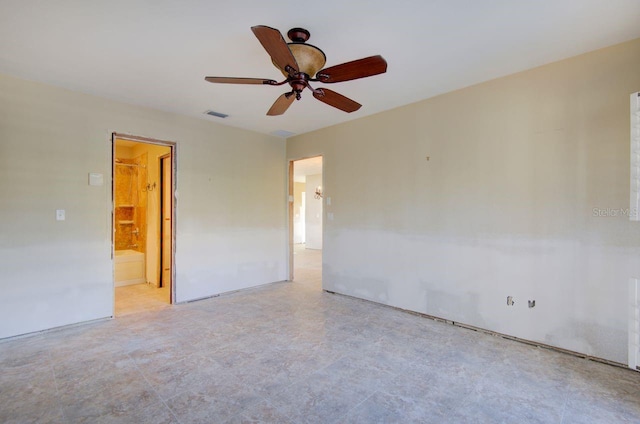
[(143, 176), (306, 220)]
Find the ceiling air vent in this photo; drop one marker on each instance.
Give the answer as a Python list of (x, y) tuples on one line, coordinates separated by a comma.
[(216, 114), (283, 133)]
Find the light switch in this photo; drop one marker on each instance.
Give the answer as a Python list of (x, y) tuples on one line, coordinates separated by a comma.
[(60, 215), (95, 179), (330, 216), (328, 201)]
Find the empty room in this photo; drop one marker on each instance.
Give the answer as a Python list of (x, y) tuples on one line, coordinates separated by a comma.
[(338, 212)]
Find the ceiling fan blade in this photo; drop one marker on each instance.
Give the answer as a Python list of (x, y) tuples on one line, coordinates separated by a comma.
[(336, 100), (361, 68), (234, 80), (273, 42), (281, 104)]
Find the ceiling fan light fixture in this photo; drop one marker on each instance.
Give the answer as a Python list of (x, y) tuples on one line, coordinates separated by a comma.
[(310, 59)]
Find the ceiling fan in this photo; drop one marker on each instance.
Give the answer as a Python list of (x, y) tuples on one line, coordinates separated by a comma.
[(299, 63)]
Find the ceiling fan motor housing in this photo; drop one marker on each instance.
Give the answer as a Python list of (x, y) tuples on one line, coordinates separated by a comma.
[(298, 35)]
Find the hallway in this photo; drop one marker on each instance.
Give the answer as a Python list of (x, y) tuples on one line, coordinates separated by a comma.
[(307, 266)]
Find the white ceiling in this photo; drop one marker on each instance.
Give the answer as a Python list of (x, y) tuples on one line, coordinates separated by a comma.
[(156, 53)]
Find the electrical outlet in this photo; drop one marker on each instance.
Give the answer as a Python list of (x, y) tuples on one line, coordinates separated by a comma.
[(510, 301), (532, 303)]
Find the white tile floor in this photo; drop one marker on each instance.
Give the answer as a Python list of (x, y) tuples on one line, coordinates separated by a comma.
[(138, 298), (290, 353)]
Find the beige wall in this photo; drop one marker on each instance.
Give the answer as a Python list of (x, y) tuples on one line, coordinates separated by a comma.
[(57, 273), (503, 207)]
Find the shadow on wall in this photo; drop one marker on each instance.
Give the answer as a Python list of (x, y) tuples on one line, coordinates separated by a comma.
[(463, 309)]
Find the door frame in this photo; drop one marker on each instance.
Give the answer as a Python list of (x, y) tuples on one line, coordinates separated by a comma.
[(163, 187), (174, 180), (290, 202)]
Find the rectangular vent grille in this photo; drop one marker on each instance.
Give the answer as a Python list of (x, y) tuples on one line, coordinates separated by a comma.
[(216, 114), (283, 133)]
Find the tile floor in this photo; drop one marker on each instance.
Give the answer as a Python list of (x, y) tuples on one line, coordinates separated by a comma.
[(138, 298), (289, 353)]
